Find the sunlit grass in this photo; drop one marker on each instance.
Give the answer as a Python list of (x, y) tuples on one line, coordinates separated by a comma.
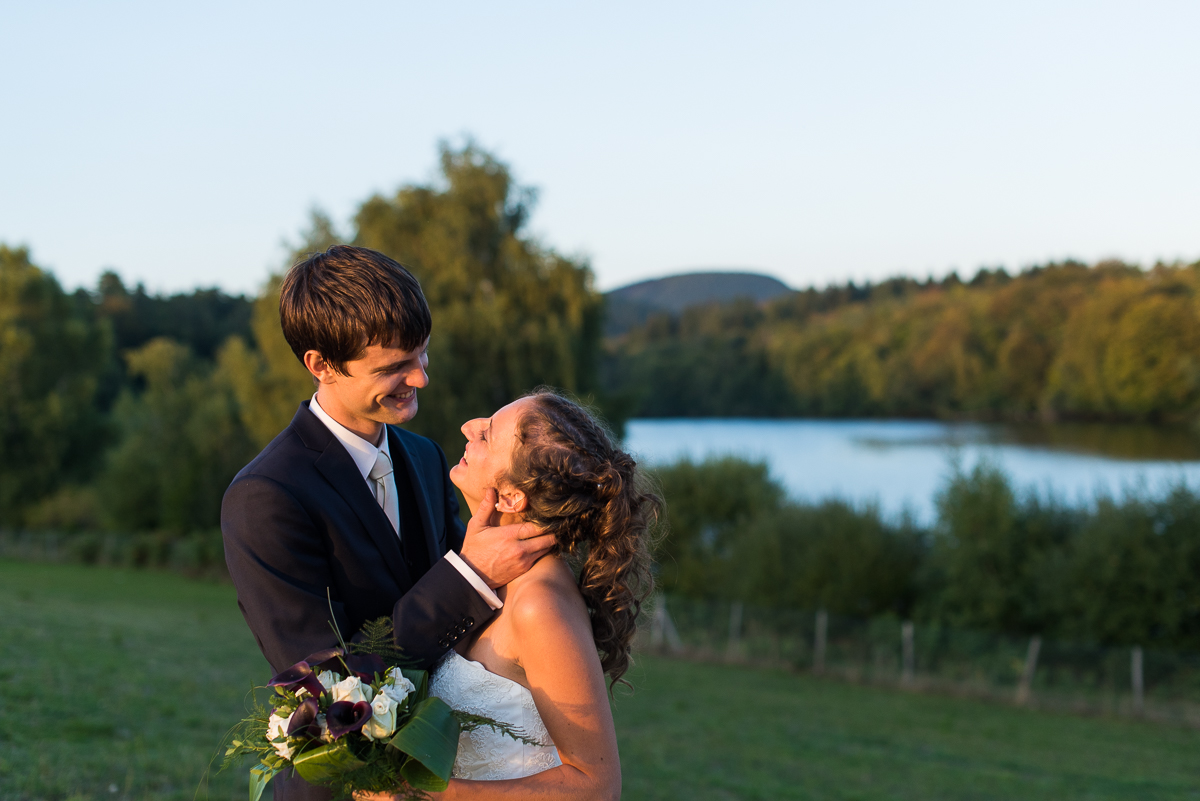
[(118, 684), (702, 731)]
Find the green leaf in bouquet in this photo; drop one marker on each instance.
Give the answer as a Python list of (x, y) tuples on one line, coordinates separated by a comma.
[(420, 680), (421, 777), (326, 763), (469, 722), (430, 737), (376, 637), (260, 777)]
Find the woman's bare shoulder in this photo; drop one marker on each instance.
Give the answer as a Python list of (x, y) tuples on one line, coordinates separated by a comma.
[(548, 590)]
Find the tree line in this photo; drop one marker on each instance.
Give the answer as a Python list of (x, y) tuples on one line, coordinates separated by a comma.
[(1122, 572), (131, 412), (1066, 341)]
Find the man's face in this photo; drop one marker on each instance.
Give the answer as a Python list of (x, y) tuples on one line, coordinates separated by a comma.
[(380, 387)]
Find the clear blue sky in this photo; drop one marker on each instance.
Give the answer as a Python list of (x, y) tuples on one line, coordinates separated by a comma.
[(181, 143)]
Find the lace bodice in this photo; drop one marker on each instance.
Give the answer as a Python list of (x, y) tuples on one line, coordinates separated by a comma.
[(484, 753)]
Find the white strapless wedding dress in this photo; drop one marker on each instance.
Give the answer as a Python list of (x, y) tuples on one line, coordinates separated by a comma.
[(485, 753)]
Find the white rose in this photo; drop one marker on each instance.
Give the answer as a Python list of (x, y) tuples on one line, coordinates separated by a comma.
[(397, 687), (277, 734), (353, 690), (383, 718), (327, 678)]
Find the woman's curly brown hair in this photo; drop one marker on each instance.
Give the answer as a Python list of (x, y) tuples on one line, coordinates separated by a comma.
[(586, 491)]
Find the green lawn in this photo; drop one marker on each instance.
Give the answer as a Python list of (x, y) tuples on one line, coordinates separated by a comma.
[(118, 684), (117, 679)]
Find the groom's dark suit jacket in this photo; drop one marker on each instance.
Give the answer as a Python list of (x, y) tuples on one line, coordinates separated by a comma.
[(299, 521)]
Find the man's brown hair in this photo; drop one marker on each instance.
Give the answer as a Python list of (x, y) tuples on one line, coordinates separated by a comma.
[(346, 299)]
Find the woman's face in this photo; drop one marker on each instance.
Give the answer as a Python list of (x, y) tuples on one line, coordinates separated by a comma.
[(488, 455)]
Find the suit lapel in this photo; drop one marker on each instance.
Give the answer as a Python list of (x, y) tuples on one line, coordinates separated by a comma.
[(339, 470), (424, 499)]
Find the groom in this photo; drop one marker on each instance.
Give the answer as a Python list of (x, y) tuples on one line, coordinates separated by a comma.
[(343, 513)]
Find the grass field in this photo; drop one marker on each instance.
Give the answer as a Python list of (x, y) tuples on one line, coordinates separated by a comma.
[(118, 684)]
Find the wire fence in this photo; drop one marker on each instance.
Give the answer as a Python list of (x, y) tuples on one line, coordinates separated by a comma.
[(1153, 683), (1156, 684), (197, 554)]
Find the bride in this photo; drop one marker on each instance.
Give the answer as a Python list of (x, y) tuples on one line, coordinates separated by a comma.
[(567, 623)]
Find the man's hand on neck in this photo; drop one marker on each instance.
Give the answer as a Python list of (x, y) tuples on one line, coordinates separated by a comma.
[(500, 553)]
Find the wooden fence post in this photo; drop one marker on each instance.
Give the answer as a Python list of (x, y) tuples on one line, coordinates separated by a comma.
[(735, 630), (663, 628), (1139, 689), (1025, 688), (819, 644), (907, 653)]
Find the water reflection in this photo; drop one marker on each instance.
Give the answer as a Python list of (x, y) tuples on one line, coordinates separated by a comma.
[(1132, 442), (900, 464), (1136, 442)]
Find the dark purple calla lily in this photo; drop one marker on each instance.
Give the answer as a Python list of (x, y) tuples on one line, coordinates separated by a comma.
[(365, 666), (298, 675), (344, 717), (303, 722), (329, 659)]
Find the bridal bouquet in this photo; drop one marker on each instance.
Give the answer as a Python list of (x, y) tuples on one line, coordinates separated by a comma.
[(352, 718)]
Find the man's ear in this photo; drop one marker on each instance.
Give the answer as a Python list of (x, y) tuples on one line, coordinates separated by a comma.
[(512, 501), (321, 370)]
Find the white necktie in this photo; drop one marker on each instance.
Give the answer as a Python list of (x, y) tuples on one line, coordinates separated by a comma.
[(385, 488)]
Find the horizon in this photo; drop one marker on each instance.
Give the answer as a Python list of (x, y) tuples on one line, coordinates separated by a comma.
[(964, 276)]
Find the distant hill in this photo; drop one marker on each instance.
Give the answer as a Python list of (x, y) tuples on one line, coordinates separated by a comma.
[(632, 305)]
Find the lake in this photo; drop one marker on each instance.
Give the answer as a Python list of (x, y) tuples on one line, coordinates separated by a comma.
[(900, 464)]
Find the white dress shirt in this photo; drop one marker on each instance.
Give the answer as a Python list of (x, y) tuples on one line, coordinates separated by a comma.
[(364, 455)]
